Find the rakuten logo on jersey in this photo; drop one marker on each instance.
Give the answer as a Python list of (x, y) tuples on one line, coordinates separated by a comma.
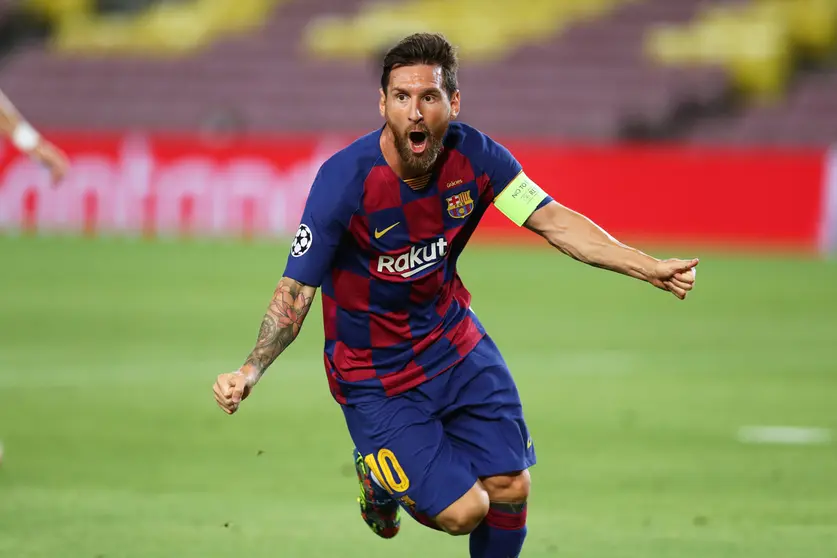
[(415, 261)]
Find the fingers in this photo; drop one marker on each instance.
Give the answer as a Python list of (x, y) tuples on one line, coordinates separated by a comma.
[(684, 285), (54, 160), (225, 392), (677, 288), (678, 292), (223, 403), (687, 265), (238, 390), (58, 173), (222, 395), (687, 277)]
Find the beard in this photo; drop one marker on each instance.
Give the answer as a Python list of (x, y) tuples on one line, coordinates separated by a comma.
[(422, 162)]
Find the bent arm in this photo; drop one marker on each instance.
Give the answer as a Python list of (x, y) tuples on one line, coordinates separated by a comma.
[(280, 326), (580, 238)]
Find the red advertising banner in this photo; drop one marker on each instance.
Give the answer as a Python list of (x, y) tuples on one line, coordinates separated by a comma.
[(165, 185), (737, 196)]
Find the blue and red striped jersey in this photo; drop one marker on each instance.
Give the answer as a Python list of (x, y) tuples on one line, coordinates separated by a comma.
[(384, 253)]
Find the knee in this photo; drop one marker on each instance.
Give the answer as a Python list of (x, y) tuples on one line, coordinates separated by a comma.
[(511, 488), (465, 515)]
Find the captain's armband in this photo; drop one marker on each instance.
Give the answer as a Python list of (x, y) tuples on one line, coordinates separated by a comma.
[(520, 199)]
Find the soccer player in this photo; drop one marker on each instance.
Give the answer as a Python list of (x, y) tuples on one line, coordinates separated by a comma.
[(428, 399), (29, 141)]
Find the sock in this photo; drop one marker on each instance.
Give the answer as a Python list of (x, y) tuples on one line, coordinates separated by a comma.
[(375, 479), (502, 532)]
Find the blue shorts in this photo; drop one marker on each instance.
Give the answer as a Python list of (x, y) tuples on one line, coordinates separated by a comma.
[(431, 443)]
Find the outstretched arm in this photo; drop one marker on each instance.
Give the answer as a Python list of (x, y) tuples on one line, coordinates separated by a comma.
[(526, 204), (29, 141), (580, 238)]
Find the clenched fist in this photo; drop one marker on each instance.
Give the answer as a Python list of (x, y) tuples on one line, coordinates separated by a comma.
[(675, 276), (231, 389)]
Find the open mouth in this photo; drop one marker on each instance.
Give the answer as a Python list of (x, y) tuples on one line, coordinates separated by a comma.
[(418, 141)]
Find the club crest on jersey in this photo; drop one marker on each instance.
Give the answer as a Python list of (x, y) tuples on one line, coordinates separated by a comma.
[(461, 205)]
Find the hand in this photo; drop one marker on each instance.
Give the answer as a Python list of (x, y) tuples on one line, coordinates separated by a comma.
[(52, 158), (231, 389), (675, 276)]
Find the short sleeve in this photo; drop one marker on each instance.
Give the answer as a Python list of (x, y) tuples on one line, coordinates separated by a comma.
[(499, 164), (516, 195), (326, 216)]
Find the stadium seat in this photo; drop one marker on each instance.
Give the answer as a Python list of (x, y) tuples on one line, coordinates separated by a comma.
[(483, 30), (591, 82), (165, 28), (755, 42), (811, 24), (60, 10)]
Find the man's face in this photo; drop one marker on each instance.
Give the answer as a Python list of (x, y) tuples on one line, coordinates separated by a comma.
[(418, 110)]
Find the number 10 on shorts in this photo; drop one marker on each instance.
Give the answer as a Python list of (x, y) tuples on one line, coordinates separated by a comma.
[(386, 468)]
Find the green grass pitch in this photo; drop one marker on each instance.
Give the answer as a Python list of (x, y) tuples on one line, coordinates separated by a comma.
[(114, 446)]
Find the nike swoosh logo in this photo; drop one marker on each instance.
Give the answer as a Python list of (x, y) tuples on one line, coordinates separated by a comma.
[(379, 234), (529, 443)]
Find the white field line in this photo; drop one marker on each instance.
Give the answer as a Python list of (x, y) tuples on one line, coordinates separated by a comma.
[(787, 435)]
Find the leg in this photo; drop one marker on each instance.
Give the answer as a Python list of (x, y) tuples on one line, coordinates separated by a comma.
[(504, 529), (486, 423), (403, 456), (499, 501), (465, 515)]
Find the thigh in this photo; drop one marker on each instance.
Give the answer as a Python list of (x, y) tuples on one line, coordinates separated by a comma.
[(406, 447), (485, 421)]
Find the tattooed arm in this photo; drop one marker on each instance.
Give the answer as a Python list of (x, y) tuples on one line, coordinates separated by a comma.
[(280, 326), (333, 199)]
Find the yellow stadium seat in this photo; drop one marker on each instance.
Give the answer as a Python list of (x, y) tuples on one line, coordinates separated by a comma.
[(481, 30), (763, 61), (812, 24), (756, 42), (59, 10), (163, 29)]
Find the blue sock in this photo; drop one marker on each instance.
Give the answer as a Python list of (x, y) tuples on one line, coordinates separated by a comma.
[(502, 532)]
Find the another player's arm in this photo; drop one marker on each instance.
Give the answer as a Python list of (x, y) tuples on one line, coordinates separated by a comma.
[(29, 141), (10, 118), (580, 238), (280, 326)]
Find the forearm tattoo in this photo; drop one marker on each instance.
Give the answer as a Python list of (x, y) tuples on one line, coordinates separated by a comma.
[(281, 324)]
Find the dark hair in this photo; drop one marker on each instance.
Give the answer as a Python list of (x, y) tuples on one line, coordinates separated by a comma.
[(423, 48)]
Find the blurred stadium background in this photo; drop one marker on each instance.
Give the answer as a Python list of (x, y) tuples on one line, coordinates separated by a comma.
[(195, 127)]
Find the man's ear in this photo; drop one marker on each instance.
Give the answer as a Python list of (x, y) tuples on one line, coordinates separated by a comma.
[(455, 105), (382, 102)]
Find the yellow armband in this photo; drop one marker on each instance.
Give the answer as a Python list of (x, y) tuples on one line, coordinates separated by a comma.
[(519, 199)]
